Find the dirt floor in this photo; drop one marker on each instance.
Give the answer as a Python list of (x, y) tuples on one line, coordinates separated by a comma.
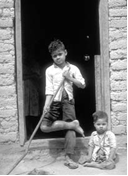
[(51, 162)]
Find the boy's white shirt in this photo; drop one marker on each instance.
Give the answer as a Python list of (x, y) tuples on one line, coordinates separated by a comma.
[(107, 143), (54, 76)]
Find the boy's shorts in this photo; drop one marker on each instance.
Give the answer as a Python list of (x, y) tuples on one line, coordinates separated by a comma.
[(64, 110)]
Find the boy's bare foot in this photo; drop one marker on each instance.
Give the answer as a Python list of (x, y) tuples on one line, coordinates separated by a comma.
[(78, 128), (70, 163)]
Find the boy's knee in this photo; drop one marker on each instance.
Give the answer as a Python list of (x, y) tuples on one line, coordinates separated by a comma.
[(44, 128)]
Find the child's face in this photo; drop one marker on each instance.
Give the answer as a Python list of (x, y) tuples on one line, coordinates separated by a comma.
[(101, 126), (59, 56)]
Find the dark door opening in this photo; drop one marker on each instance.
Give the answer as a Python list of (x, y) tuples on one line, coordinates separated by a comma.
[(76, 24)]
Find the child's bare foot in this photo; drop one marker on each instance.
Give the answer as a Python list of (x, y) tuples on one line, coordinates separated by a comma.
[(86, 164), (78, 128)]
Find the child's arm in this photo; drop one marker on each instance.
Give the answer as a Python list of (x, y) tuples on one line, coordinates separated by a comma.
[(112, 139), (87, 158), (91, 144), (90, 151), (112, 154)]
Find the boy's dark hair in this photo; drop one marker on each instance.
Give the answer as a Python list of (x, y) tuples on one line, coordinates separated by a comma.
[(100, 115), (55, 45)]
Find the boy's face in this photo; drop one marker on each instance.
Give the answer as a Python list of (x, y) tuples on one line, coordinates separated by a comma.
[(101, 126), (59, 56)]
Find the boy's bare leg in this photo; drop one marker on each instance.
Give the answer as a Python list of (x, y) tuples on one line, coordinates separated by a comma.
[(62, 125)]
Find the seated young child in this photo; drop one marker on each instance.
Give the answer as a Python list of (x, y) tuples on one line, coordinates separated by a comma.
[(102, 144)]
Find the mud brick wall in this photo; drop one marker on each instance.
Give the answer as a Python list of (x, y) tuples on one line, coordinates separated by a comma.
[(8, 98), (118, 64)]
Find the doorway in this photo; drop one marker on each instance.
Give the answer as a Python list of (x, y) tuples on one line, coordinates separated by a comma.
[(76, 24)]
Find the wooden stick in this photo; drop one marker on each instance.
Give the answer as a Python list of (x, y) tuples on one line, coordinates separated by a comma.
[(34, 132)]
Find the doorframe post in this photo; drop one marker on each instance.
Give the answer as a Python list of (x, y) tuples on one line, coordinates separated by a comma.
[(102, 84), (102, 70), (19, 72)]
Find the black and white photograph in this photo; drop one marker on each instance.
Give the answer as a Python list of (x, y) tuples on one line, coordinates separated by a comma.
[(63, 87)]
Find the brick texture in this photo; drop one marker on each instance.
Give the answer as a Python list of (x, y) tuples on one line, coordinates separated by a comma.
[(118, 64), (8, 95)]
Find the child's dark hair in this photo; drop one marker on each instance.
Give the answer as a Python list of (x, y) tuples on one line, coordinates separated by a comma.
[(55, 45), (100, 115)]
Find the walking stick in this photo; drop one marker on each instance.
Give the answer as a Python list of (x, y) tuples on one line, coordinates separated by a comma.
[(34, 132)]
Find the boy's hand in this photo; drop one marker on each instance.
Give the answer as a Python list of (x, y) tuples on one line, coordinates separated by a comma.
[(46, 109), (66, 74)]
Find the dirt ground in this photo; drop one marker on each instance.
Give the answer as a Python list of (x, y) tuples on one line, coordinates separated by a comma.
[(51, 162)]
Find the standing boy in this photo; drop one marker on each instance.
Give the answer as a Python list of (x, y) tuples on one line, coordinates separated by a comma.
[(63, 103)]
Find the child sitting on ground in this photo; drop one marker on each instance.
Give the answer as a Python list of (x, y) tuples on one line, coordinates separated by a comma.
[(102, 144)]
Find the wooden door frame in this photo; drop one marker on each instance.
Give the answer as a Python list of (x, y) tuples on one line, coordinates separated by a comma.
[(102, 70), (19, 73), (102, 85)]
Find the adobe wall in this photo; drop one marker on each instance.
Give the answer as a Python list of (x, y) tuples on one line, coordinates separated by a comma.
[(118, 64), (8, 95)]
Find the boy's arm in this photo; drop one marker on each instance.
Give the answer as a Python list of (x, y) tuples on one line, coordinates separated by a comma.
[(47, 101), (78, 80), (48, 90), (75, 81)]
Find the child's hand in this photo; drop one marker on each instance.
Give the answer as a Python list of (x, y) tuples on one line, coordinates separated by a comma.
[(88, 159), (84, 159), (109, 160)]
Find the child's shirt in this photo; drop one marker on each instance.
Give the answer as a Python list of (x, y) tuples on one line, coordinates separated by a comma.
[(54, 76), (104, 142)]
